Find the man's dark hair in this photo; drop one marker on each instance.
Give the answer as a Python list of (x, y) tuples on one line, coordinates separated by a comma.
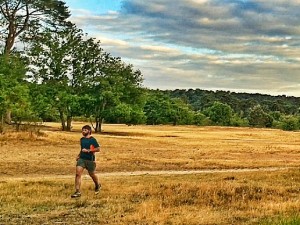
[(87, 127)]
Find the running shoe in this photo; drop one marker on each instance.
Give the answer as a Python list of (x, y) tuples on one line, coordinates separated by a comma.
[(77, 194), (97, 189)]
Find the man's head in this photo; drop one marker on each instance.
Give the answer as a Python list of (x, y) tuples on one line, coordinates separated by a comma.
[(86, 130)]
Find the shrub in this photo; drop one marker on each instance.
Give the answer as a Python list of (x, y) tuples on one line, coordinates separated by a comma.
[(290, 123)]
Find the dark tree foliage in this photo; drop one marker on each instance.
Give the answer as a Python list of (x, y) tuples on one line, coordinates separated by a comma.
[(20, 16), (241, 103), (247, 109)]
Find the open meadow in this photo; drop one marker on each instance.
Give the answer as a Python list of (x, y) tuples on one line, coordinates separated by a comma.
[(242, 176)]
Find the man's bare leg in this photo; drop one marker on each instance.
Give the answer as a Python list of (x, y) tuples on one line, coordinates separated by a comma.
[(79, 171), (96, 182), (94, 177)]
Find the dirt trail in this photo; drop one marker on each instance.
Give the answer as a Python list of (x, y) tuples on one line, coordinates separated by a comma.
[(185, 172), (156, 172)]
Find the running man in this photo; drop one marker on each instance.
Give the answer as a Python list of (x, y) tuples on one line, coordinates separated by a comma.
[(86, 160)]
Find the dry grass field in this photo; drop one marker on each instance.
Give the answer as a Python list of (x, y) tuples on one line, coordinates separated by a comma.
[(37, 176)]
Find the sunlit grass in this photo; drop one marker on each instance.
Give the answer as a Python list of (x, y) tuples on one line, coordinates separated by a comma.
[(37, 176), (244, 198), (132, 148)]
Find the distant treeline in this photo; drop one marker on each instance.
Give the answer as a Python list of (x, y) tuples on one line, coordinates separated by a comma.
[(225, 108)]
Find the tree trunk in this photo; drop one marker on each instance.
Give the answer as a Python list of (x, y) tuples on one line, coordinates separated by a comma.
[(11, 37), (98, 125), (9, 45), (100, 119), (15, 26), (69, 123), (62, 119), (8, 116)]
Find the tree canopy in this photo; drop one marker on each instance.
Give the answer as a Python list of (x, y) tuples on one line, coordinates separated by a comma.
[(20, 16)]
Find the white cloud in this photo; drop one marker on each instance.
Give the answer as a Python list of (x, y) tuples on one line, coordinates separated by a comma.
[(225, 44)]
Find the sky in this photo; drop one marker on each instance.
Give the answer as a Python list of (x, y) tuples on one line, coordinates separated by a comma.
[(250, 46)]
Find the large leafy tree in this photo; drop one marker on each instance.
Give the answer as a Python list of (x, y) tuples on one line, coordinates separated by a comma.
[(52, 65), (23, 19), (14, 94), (113, 83), (85, 79), (20, 16)]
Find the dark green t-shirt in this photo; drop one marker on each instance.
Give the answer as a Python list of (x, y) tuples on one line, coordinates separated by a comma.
[(88, 143)]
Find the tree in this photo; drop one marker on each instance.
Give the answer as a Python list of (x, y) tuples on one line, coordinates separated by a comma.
[(290, 123), (120, 113), (200, 119), (14, 93), (219, 113), (258, 117), (180, 112), (162, 109), (43, 102), (84, 78), (114, 83), (67, 103), (154, 112), (20, 16), (51, 59), (157, 108)]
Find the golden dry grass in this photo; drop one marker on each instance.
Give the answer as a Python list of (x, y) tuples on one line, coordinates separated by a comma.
[(37, 169), (245, 198), (131, 148)]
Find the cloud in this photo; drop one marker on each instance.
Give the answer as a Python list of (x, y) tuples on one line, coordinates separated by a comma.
[(225, 44)]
